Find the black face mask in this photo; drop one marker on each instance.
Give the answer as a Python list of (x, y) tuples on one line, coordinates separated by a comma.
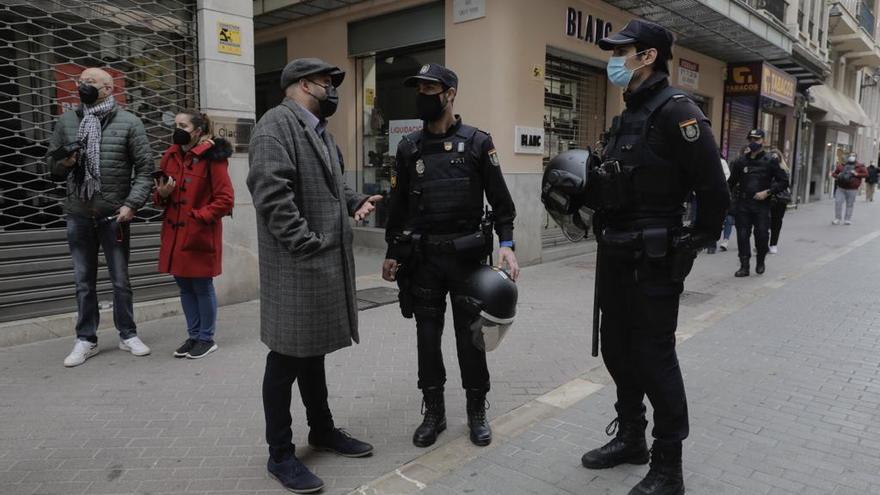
[(755, 147), (181, 137), (88, 94), (429, 107), (327, 105)]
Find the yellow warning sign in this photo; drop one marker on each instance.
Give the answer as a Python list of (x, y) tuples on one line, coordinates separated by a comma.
[(228, 38)]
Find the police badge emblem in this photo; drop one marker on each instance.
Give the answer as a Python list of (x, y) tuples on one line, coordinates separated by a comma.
[(393, 179), (690, 130), (493, 158), (420, 166), (425, 68), (447, 146)]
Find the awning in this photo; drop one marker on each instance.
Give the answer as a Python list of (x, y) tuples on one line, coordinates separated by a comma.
[(839, 108)]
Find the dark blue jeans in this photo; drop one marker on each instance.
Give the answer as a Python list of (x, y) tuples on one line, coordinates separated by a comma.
[(84, 236), (199, 306)]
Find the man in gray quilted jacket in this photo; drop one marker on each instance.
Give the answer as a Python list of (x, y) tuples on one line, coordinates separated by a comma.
[(104, 155)]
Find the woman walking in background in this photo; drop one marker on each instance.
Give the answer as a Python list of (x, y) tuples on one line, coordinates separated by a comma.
[(778, 205), (192, 231)]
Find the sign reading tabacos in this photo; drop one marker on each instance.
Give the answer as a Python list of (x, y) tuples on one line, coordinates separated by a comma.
[(760, 78)]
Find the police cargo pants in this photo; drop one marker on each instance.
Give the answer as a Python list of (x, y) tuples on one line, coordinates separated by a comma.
[(435, 277), (753, 215), (639, 304)]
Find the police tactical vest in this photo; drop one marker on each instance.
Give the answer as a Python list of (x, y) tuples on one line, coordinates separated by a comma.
[(446, 190), (648, 183), (757, 176)]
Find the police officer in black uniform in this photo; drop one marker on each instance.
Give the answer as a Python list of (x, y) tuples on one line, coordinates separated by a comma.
[(656, 152), (438, 237), (755, 177)]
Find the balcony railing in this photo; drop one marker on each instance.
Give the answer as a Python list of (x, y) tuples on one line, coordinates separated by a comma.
[(776, 8)]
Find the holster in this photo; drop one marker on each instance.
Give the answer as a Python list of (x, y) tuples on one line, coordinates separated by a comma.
[(406, 249)]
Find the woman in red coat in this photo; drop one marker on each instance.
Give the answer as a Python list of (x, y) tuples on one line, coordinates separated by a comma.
[(196, 194)]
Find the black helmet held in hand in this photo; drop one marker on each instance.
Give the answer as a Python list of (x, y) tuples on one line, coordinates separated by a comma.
[(563, 189), (489, 298)]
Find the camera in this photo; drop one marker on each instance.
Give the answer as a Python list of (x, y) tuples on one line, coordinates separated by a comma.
[(66, 150)]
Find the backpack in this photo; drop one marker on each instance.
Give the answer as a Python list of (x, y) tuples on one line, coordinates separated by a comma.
[(846, 176)]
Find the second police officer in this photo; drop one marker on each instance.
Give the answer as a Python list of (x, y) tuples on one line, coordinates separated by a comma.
[(754, 177), (438, 238), (656, 152)]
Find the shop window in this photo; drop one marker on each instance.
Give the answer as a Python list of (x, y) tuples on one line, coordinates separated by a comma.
[(389, 113)]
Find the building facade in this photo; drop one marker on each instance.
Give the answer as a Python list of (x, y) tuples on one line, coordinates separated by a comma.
[(164, 55)]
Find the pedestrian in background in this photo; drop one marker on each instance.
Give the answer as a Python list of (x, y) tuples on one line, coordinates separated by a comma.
[(778, 204), (728, 220), (871, 182), (103, 153), (195, 192), (848, 178)]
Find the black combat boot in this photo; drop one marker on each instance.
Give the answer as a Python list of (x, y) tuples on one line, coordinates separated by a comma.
[(481, 434), (665, 476), (759, 265), (743, 268), (434, 422), (628, 446)]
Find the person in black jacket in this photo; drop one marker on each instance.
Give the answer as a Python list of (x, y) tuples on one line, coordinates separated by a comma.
[(756, 177), (660, 149), (871, 182), (436, 233)]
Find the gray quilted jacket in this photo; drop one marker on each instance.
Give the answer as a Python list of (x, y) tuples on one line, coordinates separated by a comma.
[(126, 163)]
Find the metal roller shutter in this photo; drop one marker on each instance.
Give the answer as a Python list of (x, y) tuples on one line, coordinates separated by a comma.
[(574, 117), (149, 46)]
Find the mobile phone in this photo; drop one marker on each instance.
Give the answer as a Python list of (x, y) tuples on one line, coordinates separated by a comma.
[(158, 175)]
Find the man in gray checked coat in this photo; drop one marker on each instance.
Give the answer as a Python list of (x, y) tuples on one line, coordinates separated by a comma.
[(307, 293)]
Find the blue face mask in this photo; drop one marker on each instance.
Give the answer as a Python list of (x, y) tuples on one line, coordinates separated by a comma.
[(618, 74)]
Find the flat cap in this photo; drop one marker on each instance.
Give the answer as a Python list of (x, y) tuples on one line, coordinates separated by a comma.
[(303, 67), (433, 73)]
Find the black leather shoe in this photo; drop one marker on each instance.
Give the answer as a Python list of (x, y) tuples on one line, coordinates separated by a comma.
[(743, 268), (294, 475), (434, 422), (665, 476), (759, 266), (339, 442), (628, 447), (481, 433)]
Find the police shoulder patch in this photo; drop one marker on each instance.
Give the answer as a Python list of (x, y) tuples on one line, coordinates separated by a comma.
[(393, 178), (690, 130), (493, 158)]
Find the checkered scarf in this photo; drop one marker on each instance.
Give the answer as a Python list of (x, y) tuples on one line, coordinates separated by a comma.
[(87, 180)]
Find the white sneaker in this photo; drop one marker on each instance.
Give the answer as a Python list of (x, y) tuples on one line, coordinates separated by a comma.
[(835, 222), (773, 250), (723, 245), (135, 346), (847, 222), (82, 350)]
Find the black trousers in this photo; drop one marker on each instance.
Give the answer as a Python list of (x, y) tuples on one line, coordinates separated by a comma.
[(752, 215), (777, 211), (639, 304), (436, 276), (281, 372)]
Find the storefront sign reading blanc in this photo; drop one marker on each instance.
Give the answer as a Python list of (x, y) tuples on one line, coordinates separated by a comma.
[(528, 140), (585, 27)]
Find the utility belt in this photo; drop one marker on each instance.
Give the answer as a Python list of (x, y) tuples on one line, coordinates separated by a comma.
[(659, 254)]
